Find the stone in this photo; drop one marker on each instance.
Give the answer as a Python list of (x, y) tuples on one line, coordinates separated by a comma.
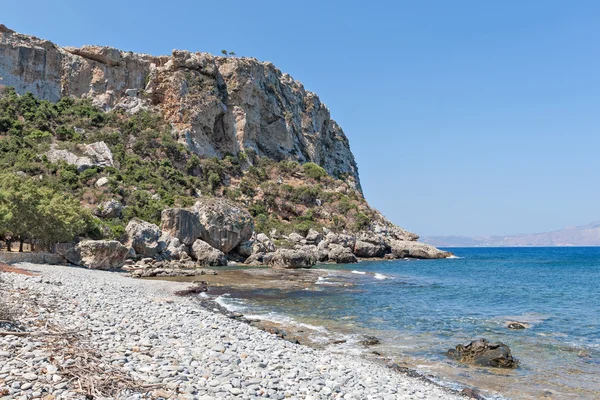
[(263, 244), (98, 254), (313, 237), (483, 353), (109, 209), (368, 250), (342, 239), (288, 258), (295, 237), (341, 254), (95, 155), (144, 237), (225, 225), (182, 224), (175, 249), (410, 249), (102, 182), (207, 255), (516, 325)]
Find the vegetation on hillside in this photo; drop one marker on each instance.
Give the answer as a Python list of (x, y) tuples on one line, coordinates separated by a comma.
[(153, 171)]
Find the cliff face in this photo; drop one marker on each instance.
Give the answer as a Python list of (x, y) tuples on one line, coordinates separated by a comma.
[(216, 105)]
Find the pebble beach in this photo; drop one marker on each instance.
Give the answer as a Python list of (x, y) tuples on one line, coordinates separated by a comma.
[(131, 339)]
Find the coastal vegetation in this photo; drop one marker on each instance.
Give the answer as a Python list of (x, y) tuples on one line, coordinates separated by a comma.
[(152, 171)]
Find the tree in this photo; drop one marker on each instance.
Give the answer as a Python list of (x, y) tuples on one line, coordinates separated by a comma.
[(224, 52), (34, 212), (232, 53)]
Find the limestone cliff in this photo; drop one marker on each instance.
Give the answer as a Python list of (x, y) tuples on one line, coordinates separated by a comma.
[(216, 105)]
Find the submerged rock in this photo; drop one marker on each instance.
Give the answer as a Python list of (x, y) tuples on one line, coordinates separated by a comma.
[(483, 353)]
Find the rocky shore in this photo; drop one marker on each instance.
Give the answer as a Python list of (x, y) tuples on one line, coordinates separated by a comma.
[(135, 339)]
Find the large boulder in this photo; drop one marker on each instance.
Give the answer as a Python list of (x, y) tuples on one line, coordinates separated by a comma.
[(182, 224), (98, 254), (207, 255), (225, 225), (341, 254), (483, 353), (410, 249), (369, 249), (144, 237), (288, 258)]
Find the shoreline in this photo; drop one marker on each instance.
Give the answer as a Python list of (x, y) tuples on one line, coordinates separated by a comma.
[(298, 335), (153, 337)]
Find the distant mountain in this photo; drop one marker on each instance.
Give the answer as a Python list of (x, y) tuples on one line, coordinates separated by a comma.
[(585, 235)]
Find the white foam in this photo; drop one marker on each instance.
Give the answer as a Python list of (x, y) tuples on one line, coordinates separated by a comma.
[(359, 272), (282, 319), (453, 257), (230, 304), (380, 276)]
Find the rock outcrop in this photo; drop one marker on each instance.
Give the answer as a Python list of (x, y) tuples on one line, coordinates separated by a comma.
[(287, 258), (483, 353), (98, 254), (216, 105), (95, 155), (410, 249)]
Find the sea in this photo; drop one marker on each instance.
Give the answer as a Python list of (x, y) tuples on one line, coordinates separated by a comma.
[(419, 309)]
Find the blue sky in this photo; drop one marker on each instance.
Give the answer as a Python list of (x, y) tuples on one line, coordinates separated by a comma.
[(465, 117)]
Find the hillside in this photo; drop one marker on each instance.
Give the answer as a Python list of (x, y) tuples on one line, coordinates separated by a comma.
[(584, 235), (110, 138)]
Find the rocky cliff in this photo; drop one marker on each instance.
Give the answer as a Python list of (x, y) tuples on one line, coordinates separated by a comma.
[(215, 105)]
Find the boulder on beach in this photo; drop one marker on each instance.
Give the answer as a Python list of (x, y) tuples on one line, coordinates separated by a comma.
[(98, 254), (225, 225), (483, 353), (207, 255), (181, 224), (144, 237)]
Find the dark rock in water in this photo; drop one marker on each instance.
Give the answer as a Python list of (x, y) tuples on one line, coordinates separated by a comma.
[(483, 353), (369, 341), (471, 394), (404, 370), (339, 341), (516, 325)]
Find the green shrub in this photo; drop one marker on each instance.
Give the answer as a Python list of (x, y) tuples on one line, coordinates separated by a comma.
[(314, 171)]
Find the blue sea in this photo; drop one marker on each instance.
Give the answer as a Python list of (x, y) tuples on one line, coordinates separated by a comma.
[(421, 308)]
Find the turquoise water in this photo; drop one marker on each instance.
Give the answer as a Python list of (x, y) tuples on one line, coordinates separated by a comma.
[(421, 308)]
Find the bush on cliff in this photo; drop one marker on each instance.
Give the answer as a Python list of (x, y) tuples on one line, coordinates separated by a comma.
[(154, 170)]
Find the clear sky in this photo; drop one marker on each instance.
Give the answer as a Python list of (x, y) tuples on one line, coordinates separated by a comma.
[(465, 117)]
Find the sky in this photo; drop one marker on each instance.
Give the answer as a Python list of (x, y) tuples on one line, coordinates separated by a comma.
[(465, 117)]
